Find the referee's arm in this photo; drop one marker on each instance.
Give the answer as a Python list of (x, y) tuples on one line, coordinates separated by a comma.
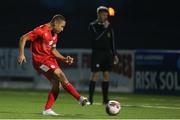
[(112, 42), (114, 52)]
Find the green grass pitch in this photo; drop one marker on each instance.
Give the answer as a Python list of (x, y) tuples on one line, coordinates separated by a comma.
[(26, 104)]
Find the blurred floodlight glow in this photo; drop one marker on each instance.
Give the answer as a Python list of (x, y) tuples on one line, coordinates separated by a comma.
[(111, 11)]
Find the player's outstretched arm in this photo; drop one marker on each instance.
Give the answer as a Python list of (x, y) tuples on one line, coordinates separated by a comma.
[(22, 43), (69, 60), (57, 54)]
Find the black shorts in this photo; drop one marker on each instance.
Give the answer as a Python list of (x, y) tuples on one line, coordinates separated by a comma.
[(101, 61)]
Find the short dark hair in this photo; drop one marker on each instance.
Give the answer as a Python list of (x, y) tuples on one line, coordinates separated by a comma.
[(102, 9), (57, 17)]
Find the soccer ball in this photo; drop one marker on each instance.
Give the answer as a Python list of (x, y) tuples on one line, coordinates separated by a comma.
[(113, 107)]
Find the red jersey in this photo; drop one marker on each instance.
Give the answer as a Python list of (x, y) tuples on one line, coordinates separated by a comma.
[(42, 43)]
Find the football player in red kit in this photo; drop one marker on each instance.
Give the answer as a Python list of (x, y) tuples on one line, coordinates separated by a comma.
[(45, 56)]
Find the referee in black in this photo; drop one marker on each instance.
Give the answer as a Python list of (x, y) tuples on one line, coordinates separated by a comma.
[(103, 52)]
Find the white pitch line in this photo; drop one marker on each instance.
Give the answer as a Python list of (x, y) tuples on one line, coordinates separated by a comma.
[(97, 103), (151, 106), (146, 106)]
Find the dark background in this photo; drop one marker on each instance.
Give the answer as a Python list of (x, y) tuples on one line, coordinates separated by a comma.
[(138, 24)]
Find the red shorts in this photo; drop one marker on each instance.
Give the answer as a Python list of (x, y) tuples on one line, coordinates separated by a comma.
[(46, 67)]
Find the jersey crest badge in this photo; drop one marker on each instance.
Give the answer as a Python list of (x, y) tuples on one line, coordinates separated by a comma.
[(50, 42), (108, 34)]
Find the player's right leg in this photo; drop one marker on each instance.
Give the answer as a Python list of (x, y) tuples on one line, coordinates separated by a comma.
[(60, 76)]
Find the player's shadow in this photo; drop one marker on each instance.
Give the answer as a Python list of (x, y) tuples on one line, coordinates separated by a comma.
[(72, 115), (62, 115), (7, 112)]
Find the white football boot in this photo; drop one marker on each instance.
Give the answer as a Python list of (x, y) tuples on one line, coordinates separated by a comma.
[(49, 112), (84, 101)]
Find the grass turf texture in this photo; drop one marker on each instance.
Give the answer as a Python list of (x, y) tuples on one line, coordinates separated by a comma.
[(20, 104)]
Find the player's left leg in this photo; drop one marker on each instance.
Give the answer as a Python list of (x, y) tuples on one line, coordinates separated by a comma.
[(53, 94), (46, 69), (105, 87)]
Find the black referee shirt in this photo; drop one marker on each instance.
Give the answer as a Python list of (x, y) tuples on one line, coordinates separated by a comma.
[(102, 38)]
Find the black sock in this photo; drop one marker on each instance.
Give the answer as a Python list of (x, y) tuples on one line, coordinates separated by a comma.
[(105, 88), (91, 90)]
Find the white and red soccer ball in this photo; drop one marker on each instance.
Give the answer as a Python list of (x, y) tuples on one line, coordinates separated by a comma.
[(113, 107)]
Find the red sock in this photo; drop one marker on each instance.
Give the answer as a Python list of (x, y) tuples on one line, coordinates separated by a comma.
[(51, 99), (69, 88)]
